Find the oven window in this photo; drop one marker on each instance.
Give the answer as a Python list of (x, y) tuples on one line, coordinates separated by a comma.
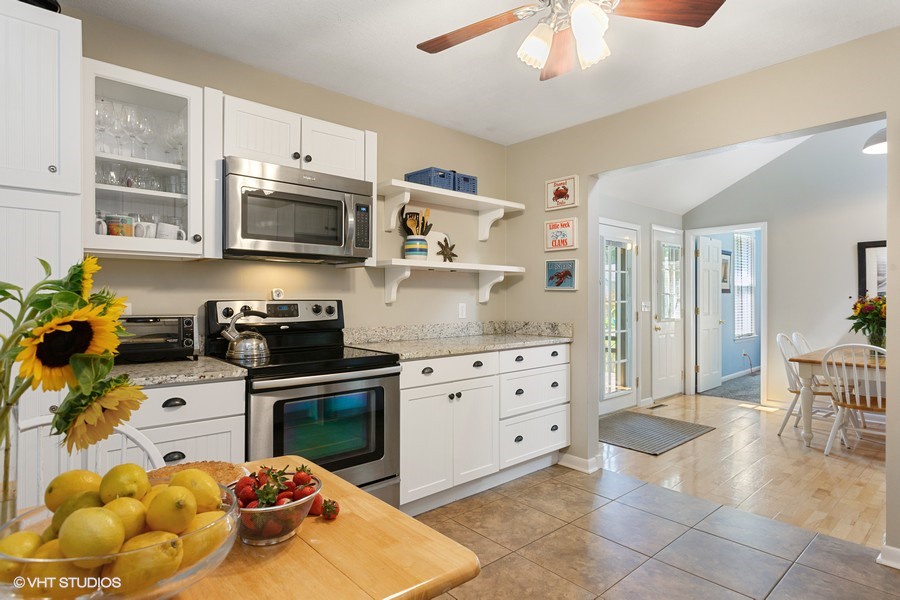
[(292, 218), (335, 431)]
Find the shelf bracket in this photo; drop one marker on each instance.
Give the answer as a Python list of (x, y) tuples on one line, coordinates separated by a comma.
[(486, 218), (392, 278), (487, 280), (392, 206)]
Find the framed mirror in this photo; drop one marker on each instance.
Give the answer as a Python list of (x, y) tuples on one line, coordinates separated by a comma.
[(871, 260)]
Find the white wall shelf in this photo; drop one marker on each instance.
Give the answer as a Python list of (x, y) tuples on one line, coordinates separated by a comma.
[(399, 193), (397, 270)]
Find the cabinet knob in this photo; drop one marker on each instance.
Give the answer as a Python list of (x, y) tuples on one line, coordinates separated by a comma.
[(427, 371), (173, 456), (52, 168), (554, 353), (450, 396), (307, 158), (295, 156), (554, 428), (459, 394), (519, 392), (555, 384), (198, 237), (477, 364), (174, 402), (520, 358), (518, 439)]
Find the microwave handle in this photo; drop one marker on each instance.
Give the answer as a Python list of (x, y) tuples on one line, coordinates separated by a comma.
[(270, 384)]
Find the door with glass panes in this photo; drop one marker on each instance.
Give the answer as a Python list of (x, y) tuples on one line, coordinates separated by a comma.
[(618, 319)]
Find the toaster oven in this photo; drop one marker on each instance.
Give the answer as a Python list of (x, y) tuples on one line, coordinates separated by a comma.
[(157, 337)]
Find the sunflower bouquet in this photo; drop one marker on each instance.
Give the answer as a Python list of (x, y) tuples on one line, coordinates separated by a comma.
[(64, 334), (870, 317)]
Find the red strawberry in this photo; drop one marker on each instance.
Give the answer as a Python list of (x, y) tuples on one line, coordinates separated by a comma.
[(316, 508), (303, 476), (301, 493), (290, 485), (330, 509), (284, 495), (283, 501), (271, 528), (253, 504), (240, 503), (262, 478), (244, 482), (247, 494)]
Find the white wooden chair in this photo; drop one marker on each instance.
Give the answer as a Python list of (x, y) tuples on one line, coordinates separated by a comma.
[(127, 444), (801, 343), (789, 351), (855, 374)]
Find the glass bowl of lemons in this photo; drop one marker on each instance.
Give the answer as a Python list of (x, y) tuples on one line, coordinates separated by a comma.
[(122, 534)]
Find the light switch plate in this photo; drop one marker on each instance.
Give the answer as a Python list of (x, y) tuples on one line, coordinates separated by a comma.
[(645, 307), (462, 310)]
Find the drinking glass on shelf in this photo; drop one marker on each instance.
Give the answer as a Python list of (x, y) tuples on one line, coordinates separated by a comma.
[(148, 132), (115, 174), (104, 114), (174, 139), (132, 125)]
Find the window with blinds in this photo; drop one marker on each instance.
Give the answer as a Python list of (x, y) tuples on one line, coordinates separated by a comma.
[(744, 260)]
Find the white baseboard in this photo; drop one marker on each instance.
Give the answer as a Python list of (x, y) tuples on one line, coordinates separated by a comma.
[(889, 557), (585, 465), (646, 402), (735, 375), (615, 404)]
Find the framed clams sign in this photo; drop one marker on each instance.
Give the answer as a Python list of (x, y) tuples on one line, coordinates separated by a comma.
[(561, 193), (560, 234)]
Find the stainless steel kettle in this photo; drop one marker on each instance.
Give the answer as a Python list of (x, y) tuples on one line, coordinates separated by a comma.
[(245, 345)]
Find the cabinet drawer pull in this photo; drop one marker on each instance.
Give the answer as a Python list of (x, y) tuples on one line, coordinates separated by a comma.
[(477, 364), (519, 392), (173, 456), (459, 394), (173, 402), (451, 396), (427, 371), (554, 354), (520, 358), (518, 439), (554, 428), (555, 384)]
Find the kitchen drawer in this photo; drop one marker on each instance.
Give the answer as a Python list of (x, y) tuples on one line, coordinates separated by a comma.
[(529, 358), (534, 434), (193, 402), (525, 391), (213, 439), (430, 371)]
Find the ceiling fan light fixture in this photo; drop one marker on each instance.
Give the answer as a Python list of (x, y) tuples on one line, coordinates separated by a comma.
[(877, 144), (536, 47), (589, 24)]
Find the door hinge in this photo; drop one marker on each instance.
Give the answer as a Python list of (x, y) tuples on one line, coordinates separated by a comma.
[(697, 252), (696, 368), (637, 317), (637, 382), (697, 310), (636, 249), (682, 374)]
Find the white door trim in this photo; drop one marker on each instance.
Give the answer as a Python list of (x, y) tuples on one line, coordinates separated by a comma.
[(690, 351)]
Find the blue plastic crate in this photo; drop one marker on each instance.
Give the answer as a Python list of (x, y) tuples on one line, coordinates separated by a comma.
[(465, 183), (441, 178)]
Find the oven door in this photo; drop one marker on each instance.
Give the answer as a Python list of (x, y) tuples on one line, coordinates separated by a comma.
[(348, 423)]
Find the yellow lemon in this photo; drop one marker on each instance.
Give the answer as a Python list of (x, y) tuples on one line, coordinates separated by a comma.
[(81, 500), (132, 512), (202, 485), (199, 544), (160, 559), (65, 485), (44, 579), (172, 510), (22, 544), (146, 500), (91, 532), (48, 534), (124, 481)]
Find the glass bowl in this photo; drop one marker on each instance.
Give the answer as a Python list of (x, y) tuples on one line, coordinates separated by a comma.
[(275, 524), (151, 578)]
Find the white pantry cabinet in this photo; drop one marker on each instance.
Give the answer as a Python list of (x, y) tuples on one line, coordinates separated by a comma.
[(40, 102), (143, 135), (264, 133)]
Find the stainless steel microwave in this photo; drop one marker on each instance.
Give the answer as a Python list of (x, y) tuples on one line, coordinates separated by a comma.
[(274, 212)]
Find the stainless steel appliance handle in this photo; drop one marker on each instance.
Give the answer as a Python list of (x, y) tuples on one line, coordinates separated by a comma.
[(329, 378)]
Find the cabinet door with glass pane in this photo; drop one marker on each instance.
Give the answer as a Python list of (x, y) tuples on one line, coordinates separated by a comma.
[(143, 180)]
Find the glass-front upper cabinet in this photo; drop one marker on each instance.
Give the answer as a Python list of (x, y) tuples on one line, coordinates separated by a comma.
[(143, 184)]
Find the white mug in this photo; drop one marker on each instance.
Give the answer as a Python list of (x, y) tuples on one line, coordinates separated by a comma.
[(99, 226), (145, 229), (167, 231)]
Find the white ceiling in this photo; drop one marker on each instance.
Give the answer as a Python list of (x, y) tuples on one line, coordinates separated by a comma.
[(367, 49)]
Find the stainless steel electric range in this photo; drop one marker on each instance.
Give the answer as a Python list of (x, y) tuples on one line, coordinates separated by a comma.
[(336, 405)]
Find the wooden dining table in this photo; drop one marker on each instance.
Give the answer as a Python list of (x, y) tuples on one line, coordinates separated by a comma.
[(809, 366)]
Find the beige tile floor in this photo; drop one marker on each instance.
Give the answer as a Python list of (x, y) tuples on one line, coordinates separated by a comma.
[(691, 532)]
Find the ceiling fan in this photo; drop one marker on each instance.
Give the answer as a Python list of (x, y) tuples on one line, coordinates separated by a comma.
[(575, 28)]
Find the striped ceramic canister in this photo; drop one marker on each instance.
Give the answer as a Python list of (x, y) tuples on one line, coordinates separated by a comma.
[(415, 247)]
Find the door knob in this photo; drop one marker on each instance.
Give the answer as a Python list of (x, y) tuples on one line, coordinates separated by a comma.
[(721, 322), (657, 328)]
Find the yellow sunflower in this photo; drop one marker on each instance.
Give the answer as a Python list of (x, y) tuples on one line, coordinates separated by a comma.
[(99, 418), (46, 351), (88, 268)]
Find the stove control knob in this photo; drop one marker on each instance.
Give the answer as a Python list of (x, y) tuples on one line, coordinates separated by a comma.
[(227, 312), (329, 310), (246, 308), (317, 309)]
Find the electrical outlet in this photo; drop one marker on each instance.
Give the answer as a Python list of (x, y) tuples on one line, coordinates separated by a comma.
[(277, 294), (462, 310)]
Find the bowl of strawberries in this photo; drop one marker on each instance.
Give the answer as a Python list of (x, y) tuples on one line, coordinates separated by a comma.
[(273, 503)]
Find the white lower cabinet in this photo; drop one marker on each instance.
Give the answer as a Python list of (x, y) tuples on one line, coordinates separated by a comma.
[(525, 437), (448, 435), (215, 439)]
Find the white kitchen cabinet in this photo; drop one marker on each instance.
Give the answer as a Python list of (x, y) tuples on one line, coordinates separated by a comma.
[(144, 137), (267, 134), (448, 436), (215, 439), (40, 102), (533, 434)]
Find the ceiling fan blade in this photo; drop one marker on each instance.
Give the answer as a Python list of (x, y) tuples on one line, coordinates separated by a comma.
[(691, 13), (562, 55), (464, 34)]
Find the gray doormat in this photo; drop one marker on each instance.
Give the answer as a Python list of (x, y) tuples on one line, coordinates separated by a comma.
[(647, 433), (745, 389)]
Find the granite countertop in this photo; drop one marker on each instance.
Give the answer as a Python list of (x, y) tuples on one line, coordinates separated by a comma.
[(180, 371), (450, 346)]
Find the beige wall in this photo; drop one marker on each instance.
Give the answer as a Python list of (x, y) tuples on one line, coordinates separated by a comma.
[(404, 144), (835, 85)]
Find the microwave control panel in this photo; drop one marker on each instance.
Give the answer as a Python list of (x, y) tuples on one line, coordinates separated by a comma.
[(363, 226)]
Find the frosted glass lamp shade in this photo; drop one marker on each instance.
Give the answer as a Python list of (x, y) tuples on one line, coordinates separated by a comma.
[(536, 47), (589, 24)]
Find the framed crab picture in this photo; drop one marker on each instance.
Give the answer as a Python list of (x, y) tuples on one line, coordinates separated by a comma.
[(561, 193), (560, 275), (559, 234)]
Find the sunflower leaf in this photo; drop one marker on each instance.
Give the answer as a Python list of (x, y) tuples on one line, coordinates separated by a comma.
[(4, 286), (46, 265), (64, 303), (90, 368)]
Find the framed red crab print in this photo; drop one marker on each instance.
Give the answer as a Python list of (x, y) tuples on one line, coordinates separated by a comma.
[(561, 193)]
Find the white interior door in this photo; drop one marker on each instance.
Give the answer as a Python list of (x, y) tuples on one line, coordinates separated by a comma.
[(709, 313), (667, 339), (619, 300)]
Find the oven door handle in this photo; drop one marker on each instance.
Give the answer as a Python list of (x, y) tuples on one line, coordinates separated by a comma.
[(271, 384)]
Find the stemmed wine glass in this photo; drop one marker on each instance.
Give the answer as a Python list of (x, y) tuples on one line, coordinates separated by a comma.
[(104, 115), (148, 132), (132, 125), (174, 139), (116, 127)]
